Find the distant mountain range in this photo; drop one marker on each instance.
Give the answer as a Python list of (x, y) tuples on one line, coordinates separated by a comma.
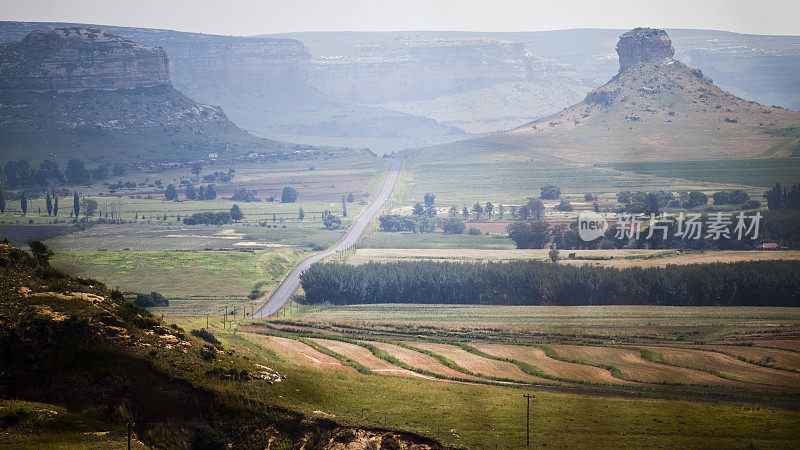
[(422, 85)]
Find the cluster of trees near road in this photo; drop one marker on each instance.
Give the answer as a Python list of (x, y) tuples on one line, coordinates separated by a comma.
[(751, 283)]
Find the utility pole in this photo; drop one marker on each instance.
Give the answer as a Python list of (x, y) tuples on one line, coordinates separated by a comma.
[(129, 434), (528, 420), (226, 317)]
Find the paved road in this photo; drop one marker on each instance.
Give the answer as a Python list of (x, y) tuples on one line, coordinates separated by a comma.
[(291, 283)]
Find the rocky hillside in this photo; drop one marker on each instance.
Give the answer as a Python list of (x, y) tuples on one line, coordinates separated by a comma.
[(657, 108), (80, 58), (83, 92), (78, 362)]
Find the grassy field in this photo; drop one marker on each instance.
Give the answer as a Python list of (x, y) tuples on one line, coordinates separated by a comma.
[(405, 240), (58, 428), (512, 181), (200, 273), (598, 406), (533, 317), (469, 171), (751, 172)]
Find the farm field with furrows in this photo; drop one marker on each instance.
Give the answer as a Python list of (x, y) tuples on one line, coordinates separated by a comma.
[(763, 356), (643, 355), (725, 365), (556, 368), (616, 370)]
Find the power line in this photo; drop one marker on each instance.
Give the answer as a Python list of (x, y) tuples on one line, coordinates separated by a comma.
[(528, 420)]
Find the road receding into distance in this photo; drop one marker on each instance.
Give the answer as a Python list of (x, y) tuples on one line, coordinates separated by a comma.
[(291, 283)]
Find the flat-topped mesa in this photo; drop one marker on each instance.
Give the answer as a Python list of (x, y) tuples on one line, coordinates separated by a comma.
[(644, 45), (78, 58)]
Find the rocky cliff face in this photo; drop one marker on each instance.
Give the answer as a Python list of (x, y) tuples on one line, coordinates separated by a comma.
[(78, 58), (644, 45), (424, 67), (81, 91)]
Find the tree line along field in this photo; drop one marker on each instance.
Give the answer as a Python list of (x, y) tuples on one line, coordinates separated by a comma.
[(626, 374), (743, 283)]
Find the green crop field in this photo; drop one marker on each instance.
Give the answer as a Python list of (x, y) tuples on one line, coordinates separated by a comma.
[(513, 180), (176, 273), (751, 172)]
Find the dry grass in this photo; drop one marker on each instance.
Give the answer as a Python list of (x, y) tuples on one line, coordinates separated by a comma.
[(726, 365), (695, 258), (553, 367), (761, 355), (364, 255), (365, 358), (298, 352), (790, 344), (421, 361), (633, 367), (600, 318), (619, 258), (479, 364)]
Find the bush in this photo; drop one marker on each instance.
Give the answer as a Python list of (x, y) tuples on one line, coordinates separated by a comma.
[(474, 231), (564, 206), (289, 195), (453, 227), (550, 192), (208, 218), (150, 300), (332, 222), (207, 438), (243, 195), (206, 336)]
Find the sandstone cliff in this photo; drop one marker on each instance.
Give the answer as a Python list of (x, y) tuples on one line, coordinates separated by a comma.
[(425, 66), (644, 45), (78, 58), (79, 91)]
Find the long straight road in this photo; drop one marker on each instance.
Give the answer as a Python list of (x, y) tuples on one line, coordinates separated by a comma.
[(291, 283)]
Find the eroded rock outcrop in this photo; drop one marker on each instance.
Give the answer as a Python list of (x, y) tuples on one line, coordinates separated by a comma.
[(97, 91), (78, 58), (644, 45)]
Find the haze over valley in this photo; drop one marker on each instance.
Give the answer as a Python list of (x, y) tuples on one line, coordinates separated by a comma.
[(365, 239)]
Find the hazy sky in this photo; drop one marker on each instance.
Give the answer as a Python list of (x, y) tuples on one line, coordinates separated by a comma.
[(247, 17)]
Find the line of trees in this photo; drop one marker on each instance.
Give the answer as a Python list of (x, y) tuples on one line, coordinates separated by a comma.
[(750, 283), (781, 197), (21, 174)]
